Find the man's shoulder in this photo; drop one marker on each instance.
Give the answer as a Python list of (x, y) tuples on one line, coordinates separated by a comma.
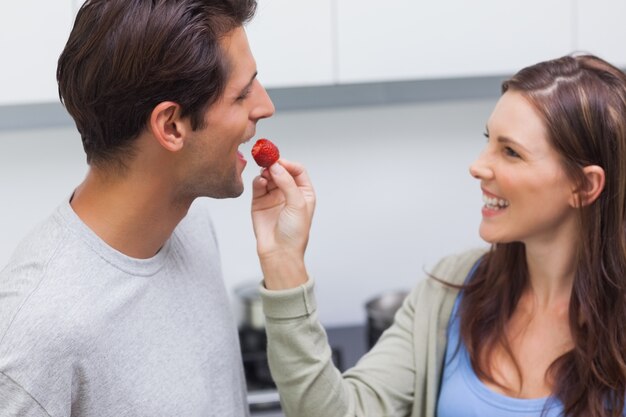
[(38, 244), (50, 242), (28, 264), (34, 284)]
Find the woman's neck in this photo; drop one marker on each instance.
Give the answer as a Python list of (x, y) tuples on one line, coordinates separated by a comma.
[(551, 272)]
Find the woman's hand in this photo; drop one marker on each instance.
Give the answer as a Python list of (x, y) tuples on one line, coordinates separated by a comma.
[(283, 202)]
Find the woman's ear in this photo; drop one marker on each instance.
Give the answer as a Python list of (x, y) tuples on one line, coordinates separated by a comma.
[(591, 188), (167, 127)]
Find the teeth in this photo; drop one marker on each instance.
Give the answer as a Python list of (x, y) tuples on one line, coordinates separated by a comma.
[(495, 203)]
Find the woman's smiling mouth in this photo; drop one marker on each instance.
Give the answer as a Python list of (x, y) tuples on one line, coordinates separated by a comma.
[(493, 203)]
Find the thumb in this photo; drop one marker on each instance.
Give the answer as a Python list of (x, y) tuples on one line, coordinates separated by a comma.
[(286, 183)]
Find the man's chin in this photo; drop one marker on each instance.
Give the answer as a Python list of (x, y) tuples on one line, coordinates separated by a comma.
[(237, 193), (234, 191)]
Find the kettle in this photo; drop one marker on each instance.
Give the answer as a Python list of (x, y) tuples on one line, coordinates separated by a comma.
[(380, 313)]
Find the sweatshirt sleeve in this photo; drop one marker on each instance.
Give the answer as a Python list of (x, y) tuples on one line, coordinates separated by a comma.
[(16, 402)]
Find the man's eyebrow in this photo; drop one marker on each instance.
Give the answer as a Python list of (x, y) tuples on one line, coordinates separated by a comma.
[(251, 81)]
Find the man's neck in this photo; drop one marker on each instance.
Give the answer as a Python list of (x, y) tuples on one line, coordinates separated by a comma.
[(135, 216)]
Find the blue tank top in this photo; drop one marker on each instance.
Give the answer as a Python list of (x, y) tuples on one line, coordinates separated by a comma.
[(463, 394)]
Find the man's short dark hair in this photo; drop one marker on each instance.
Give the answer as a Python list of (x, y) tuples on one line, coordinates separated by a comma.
[(124, 57)]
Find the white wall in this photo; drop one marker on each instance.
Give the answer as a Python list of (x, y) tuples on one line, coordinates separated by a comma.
[(32, 35), (394, 194)]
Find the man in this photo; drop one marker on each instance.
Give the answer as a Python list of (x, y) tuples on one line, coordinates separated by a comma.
[(115, 306)]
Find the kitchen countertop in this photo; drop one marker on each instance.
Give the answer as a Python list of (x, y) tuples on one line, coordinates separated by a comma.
[(275, 413), (350, 341)]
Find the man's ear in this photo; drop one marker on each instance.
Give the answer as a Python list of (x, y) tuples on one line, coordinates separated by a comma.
[(592, 187), (167, 127)]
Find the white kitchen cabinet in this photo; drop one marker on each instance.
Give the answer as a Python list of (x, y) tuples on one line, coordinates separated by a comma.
[(601, 29), (32, 36), (417, 39), (292, 41), (326, 42)]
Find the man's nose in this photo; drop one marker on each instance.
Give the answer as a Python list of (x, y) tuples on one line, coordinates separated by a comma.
[(265, 107)]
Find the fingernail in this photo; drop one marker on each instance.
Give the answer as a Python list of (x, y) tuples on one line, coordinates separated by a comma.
[(276, 169)]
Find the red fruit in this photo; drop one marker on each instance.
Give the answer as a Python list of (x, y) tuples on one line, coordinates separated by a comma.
[(265, 153)]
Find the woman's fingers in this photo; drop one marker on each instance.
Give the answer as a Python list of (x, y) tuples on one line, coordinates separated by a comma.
[(284, 180)]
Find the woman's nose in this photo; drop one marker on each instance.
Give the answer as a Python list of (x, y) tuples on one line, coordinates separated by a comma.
[(480, 169)]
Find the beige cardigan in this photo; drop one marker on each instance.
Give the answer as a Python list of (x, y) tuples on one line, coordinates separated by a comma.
[(400, 376)]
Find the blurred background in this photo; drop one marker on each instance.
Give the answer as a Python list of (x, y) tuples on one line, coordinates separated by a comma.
[(384, 102)]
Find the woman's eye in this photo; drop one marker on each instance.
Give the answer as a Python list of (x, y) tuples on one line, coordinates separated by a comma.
[(511, 152), (486, 135)]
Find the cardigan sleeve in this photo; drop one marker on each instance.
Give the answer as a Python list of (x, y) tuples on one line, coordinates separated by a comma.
[(383, 382)]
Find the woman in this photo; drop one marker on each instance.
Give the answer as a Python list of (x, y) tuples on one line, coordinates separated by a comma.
[(536, 325)]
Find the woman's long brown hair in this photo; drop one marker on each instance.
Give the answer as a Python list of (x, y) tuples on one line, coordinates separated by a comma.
[(582, 100)]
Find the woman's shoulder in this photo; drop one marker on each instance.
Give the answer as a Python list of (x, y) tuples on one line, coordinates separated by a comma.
[(453, 269), (444, 279), (432, 299)]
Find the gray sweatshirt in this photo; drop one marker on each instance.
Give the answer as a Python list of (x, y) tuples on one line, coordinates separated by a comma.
[(87, 331)]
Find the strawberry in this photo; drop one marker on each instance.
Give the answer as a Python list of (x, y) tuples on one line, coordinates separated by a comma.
[(265, 153)]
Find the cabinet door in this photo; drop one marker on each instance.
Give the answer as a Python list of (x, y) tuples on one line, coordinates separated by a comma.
[(292, 41), (601, 29), (408, 39), (32, 36)]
